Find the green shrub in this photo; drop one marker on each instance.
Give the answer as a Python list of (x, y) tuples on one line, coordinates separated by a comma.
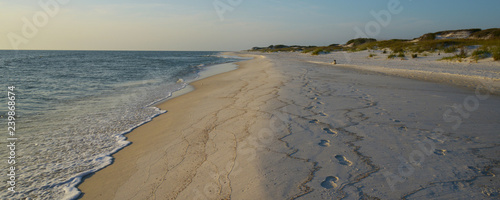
[(391, 56), (372, 55), (398, 50), (480, 54), (496, 53), (451, 49), (418, 49), (316, 52), (462, 54), (307, 50), (414, 55), (493, 33), (359, 41), (384, 52), (401, 55), (428, 36), (448, 58), (451, 58), (319, 51), (458, 56), (362, 48)]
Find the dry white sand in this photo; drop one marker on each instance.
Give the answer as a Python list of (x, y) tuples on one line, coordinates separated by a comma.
[(467, 73), (289, 126)]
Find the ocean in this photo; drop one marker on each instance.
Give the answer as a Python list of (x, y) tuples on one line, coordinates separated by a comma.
[(72, 109)]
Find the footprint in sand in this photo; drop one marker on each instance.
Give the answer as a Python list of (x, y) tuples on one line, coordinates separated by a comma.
[(323, 114), (311, 107), (314, 98), (483, 172), (320, 103), (329, 182), (343, 161), (314, 121), (330, 131), (324, 143), (440, 152), (396, 120)]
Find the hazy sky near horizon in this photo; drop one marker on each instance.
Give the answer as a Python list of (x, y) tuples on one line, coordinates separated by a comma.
[(226, 24)]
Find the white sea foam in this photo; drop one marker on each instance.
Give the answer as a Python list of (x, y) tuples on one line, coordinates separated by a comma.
[(73, 118), (70, 188)]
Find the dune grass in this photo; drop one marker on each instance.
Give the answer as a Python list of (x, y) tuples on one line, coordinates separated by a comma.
[(448, 45), (399, 47), (495, 51), (481, 53)]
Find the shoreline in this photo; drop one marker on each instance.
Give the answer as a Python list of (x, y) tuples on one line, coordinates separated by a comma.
[(98, 184), (91, 117), (72, 191), (215, 70)]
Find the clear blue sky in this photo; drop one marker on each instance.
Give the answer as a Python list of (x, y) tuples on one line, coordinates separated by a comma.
[(197, 24)]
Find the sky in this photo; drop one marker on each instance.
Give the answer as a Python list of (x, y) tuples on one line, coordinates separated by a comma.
[(228, 25)]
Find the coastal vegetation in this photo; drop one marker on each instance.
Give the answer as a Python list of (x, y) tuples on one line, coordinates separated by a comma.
[(458, 56), (481, 54), (496, 53), (481, 43)]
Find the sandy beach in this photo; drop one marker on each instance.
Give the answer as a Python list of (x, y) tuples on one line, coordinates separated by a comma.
[(293, 126), (250, 100)]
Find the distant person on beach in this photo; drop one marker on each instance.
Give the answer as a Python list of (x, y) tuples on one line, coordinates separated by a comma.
[(334, 62)]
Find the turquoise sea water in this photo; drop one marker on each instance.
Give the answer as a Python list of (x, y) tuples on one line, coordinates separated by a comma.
[(73, 107)]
